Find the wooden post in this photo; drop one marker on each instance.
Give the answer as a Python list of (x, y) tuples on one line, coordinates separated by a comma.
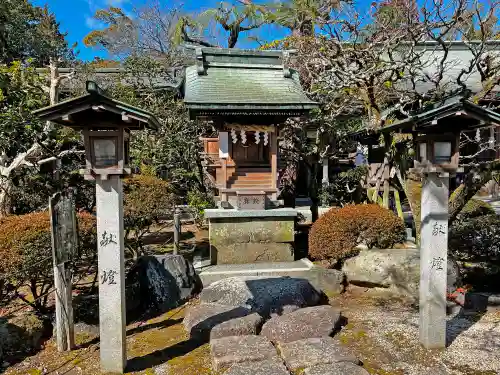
[(274, 159), (386, 171), (224, 173), (177, 230), (224, 155), (64, 245)]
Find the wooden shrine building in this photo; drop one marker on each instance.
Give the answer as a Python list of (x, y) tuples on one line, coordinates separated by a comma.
[(245, 94)]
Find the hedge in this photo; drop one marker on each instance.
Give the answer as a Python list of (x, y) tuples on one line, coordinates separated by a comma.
[(336, 234), (26, 252)]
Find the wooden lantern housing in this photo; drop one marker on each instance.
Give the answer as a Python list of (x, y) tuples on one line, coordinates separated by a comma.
[(105, 124), (437, 152), (436, 132)]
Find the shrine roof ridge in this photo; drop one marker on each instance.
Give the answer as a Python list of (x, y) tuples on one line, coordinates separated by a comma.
[(238, 80)]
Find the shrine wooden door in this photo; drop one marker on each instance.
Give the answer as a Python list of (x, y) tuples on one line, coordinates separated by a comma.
[(250, 153)]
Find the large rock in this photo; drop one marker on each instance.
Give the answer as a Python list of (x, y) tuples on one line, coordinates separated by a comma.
[(237, 349), (316, 321), (160, 283), (341, 368), (201, 319), (267, 367), (264, 295), (246, 325), (306, 353), (398, 269), (330, 281)]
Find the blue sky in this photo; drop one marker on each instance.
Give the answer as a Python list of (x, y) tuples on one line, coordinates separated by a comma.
[(76, 19)]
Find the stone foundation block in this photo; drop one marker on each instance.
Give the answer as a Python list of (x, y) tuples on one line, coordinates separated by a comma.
[(238, 349), (306, 353)]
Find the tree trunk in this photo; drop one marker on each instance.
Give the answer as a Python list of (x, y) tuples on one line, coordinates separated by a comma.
[(20, 159), (5, 196), (462, 194)]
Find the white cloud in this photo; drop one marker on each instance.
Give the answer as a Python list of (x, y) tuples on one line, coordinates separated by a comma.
[(116, 3), (92, 23)]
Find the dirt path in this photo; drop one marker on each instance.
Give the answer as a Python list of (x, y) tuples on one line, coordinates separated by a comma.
[(385, 336)]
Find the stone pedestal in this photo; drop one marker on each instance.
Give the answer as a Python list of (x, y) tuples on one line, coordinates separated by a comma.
[(110, 243), (251, 236), (433, 261)]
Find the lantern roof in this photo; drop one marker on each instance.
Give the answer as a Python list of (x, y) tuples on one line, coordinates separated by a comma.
[(451, 115), (236, 82), (97, 109)]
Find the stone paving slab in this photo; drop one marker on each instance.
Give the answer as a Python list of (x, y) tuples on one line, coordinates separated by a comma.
[(227, 351), (201, 319), (266, 367), (340, 368), (246, 325), (306, 353), (264, 295), (309, 322)]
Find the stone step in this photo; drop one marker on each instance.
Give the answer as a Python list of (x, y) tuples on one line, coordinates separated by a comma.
[(210, 274)]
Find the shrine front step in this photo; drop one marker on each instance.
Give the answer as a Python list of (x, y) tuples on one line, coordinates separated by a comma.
[(210, 274)]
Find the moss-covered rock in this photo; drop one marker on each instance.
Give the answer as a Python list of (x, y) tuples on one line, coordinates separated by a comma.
[(21, 334)]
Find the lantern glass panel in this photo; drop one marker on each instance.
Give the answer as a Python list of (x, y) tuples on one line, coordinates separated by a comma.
[(105, 152), (442, 152), (422, 151)]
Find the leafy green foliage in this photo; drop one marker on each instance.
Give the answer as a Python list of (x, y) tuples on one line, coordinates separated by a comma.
[(231, 19), (147, 200), (26, 253), (344, 188), (20, 93), (29, 32), (200, 202), (174, 149), (336, 234), (476, 239)]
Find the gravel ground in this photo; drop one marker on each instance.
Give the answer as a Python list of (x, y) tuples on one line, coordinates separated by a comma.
[(386, 338)]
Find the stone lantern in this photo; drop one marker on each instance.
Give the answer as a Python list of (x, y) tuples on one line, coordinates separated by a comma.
[(106, 124), (437, 153)]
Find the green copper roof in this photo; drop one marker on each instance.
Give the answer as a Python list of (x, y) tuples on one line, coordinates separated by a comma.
[(244, 82)]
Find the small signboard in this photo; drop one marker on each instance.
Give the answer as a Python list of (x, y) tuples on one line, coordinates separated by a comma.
[(251, 200), (63, 227)]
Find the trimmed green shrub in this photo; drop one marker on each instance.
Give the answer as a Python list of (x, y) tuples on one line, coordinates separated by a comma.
[(336, 234), (474, 208), (475, 243), (26, 253)]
